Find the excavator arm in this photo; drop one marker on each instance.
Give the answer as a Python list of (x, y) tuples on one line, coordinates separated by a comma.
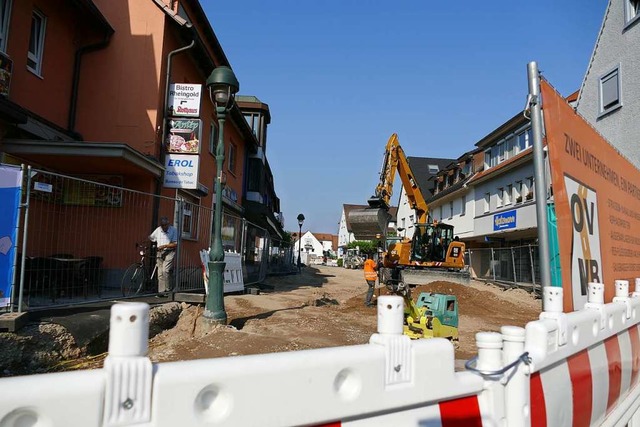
[(367, 223)]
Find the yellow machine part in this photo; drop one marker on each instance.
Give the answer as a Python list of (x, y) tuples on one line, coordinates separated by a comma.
[(428, 327), (400, 254)]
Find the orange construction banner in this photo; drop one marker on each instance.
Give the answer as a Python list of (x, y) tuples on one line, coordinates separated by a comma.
[(597, 202)]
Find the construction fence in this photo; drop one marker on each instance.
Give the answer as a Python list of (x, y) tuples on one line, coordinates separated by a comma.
[(77, 237), (516, 266)]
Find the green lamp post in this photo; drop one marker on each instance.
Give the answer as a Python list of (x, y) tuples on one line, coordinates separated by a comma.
[(222, 85)]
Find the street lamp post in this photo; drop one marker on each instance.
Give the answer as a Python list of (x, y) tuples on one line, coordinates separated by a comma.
[(300, 221), (222, 85)]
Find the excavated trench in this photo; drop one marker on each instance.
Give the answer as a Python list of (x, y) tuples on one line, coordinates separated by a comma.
[(46, 346)]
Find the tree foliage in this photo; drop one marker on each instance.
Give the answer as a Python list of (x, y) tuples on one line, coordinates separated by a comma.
[(366, 246), (286, 240)]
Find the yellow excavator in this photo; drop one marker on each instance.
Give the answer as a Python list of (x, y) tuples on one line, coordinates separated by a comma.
[(433, 253)]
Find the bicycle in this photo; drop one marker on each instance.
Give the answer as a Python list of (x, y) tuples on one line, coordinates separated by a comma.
[(136, 278)]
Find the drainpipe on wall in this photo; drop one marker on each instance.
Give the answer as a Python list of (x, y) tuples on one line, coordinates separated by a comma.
[(156, 204), (73, 103)]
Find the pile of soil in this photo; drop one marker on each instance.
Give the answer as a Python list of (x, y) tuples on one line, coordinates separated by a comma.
[(322, 307)]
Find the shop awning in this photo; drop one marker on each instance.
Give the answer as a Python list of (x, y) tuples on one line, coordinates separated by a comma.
[(78, 157)]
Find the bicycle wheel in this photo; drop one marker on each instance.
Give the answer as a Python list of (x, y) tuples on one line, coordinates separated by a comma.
[(133, 280)]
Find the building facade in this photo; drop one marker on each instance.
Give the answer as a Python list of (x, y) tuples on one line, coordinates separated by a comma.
[(89, 92), (609, 93)]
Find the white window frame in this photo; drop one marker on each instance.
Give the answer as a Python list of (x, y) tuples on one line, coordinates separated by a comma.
[(487, 158), (5, 19), (487, 202), (463, 210), (36, 57), (631, 11), (501, 151), (517, 189), (614, 73), (499, 198), (530, 195), (507, 194)]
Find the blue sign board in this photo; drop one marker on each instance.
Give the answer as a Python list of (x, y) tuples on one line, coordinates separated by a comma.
[(10, 185), (504, 220)]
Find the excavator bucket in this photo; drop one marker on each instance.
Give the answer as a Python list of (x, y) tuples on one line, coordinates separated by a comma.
[(424, 276), (367, 223)]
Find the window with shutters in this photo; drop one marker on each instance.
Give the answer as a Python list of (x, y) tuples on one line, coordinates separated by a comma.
[(610, 91)]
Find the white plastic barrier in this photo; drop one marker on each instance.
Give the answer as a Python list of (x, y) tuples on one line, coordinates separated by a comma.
[(390, 381), (575, 369), (233, 279)]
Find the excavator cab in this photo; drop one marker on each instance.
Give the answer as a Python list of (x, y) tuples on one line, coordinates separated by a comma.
[(431, 242)]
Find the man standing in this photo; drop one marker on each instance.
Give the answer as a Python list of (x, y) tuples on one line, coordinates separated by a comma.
[(370, 276), (166, 238)]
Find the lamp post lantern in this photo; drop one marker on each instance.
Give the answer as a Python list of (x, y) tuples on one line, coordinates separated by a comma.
[(222, 85), (300, 221)]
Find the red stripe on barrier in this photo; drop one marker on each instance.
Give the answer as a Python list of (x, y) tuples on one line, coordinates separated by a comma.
[(538, 406), (635, 353), (336, 424), (464, 412), (581, 388), (612, 346)]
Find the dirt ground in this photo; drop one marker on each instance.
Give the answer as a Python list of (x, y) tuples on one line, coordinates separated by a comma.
[(324, 307)]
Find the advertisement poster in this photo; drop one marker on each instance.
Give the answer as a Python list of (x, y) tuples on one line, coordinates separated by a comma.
[(184, 136), (92, 193), (597, 201), (184, 99), (6, 67), (181, 171), (10, 186)]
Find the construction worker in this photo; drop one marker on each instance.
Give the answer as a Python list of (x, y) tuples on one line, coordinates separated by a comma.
[(370, 275)]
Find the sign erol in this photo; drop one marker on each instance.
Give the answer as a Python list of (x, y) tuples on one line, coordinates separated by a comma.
[(597, 198), (504, 220)]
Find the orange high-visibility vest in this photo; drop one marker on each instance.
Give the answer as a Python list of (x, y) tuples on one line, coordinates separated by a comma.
[(370, 270)]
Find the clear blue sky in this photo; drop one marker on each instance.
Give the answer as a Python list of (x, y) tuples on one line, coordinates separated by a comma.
[(340, 76)]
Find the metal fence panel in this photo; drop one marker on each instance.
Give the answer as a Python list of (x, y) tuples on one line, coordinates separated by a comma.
[(79, 238), (518, 265)]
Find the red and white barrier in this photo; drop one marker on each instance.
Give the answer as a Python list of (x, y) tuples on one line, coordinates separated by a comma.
[(574, 369)]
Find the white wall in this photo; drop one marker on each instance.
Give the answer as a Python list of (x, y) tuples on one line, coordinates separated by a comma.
[(406, 216), (308, 239), (463, 224)]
